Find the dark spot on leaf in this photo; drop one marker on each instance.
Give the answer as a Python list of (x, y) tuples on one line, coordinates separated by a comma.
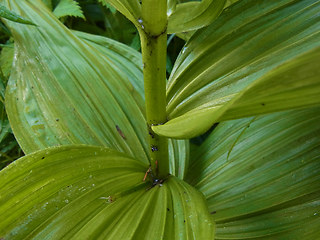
[(120, 132), (150, 133), (154, 148), (184, 220), (32, 87), (17, 98), (263, 104), (168, 209), (43, 158), (214, 212), (57, 119)]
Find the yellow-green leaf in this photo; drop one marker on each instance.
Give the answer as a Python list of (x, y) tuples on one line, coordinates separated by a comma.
[(258, 57), (83, 192), (67, 90), (193, 15)]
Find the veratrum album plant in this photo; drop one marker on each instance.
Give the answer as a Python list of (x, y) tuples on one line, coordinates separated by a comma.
[(106, 135)]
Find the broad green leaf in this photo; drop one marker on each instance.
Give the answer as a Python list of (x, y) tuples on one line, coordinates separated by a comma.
[(265, 46), (68, 8), (83, 192), (66, 90), (260, 176), (193, 15), (12, 16), (129, 8), (105, 108)]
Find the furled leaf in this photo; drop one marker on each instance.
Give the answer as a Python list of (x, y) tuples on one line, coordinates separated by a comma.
[(129, 8), (193, 15), (83, 192), (258, 57), (12, 16), (68, 8), (260, 176), (171, 6), (65, 90)]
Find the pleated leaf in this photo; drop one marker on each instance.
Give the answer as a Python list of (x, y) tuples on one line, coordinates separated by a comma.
[(108, 97), (66, 90), (83, 192), (258, 57), (260, 176), (193, 15), (178, 157)]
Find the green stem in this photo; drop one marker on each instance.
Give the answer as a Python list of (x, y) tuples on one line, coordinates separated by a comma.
[(153, 35)]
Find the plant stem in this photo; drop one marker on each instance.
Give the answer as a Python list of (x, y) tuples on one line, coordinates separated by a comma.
[(153, 35)]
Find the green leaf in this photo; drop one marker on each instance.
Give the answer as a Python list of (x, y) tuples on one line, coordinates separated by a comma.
[(193, 15), (258, 57), (48, 3), (12, 16), (83, 192), (6, 58), (229, 3), (178, 157), (260, 176), (72, 91), (86, 95), (68, 8), (129, 8)]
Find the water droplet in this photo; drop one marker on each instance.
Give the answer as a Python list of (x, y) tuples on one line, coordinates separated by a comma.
[(66, 201), (315, 214), (93, 185), (140, 21)]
